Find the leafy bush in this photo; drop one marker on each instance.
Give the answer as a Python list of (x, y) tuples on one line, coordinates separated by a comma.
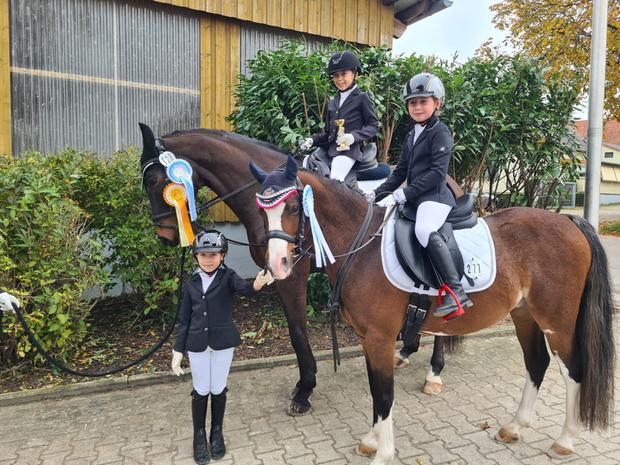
[(47, 256), (285, 98), (511, 124), (110, 191), (318, 293), (71, 221)]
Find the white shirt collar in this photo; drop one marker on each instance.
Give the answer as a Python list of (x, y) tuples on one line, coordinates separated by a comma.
[(206, 279), (418, 128), (345, 94)]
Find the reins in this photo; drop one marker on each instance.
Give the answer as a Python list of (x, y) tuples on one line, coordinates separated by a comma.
[(333, 303), (95, 374)]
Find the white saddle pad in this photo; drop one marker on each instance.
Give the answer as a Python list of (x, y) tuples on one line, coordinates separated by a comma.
[(476, 246)]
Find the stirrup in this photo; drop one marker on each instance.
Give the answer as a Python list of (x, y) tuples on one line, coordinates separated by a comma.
[(453, 311)]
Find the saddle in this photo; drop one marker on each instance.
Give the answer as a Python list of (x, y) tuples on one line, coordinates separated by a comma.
[(410, 253), (367, 169)]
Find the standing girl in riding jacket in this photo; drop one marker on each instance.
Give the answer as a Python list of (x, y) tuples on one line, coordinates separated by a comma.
[(207, 332), (424, 163), (351, 105)]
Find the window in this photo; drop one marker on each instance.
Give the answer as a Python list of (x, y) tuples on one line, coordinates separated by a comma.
[(609, 154)]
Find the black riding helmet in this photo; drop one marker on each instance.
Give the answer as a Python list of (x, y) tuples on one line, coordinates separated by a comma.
[(209, 241), (341, 61)]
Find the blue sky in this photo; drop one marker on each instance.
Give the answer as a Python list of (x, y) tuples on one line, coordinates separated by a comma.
[(461, 28)]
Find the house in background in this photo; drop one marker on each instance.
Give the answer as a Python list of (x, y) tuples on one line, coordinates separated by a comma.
[(610, 160), (83, 73)]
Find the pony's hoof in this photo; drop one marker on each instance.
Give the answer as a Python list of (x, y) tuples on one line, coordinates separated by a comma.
[(401, 362), (364, 450), (560, 452), (432, 388), (297, 410), (506, 436)]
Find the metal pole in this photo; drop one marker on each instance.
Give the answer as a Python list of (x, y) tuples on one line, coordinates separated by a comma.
[(595, 111)]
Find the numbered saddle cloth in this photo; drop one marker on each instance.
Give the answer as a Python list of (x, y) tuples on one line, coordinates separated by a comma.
[(476, 245)]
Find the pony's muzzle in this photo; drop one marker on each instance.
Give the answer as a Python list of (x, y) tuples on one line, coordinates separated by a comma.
[(280, 267)]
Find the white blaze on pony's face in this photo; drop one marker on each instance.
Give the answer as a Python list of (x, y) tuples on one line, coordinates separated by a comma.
[(277, 249), (279, 200)]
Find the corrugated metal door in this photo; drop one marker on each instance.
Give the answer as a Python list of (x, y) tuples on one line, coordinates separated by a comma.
[(255, 38), (84, 72)]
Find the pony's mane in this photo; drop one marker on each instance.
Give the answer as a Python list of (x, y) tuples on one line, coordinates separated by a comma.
[(340, 188), (225, 136)]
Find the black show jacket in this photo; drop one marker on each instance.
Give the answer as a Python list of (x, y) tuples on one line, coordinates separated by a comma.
[(206, 319), (359, 120), (424, 165)]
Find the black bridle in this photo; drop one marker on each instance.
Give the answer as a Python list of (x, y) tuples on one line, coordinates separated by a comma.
[(300, 236), (156, 217)]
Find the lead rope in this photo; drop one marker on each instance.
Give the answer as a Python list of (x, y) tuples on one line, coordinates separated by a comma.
[(55, 362)]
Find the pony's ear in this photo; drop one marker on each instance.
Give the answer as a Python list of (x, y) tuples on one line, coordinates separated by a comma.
[(149, 151), (258, 174), (291, 168)]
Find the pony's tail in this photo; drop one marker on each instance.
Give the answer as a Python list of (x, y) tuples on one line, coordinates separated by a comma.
[(593, 346), (453, 344)]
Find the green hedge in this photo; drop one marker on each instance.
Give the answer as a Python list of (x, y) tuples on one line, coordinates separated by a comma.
[(59, 214)]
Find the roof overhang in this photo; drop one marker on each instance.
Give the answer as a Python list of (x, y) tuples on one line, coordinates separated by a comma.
[(407, 12)]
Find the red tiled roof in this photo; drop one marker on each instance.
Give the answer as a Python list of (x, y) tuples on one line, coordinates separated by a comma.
[(611, 131)]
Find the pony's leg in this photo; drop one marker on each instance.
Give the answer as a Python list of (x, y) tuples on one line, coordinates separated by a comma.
[(401, 357), (433, 385), (563, 446), (293, 294), (379, 363), (536, 358)]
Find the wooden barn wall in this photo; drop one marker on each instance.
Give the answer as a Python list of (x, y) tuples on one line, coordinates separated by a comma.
[(219, 67), (366, 22), (5, 80)]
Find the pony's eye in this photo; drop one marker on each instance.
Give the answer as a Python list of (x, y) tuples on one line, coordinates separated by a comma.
[(150, 181), (294, 209)]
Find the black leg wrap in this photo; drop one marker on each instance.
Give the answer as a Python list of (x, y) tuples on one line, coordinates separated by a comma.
[(199, 412), (218, 407)]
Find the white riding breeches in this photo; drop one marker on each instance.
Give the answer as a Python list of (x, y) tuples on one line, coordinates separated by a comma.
[(341, 165), (210, 370), (429, 218)]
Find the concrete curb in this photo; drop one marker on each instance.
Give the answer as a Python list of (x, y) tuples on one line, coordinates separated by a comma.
[(124, 382)]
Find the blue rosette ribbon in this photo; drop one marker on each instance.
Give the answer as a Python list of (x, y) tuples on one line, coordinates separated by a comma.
[(322, 252)]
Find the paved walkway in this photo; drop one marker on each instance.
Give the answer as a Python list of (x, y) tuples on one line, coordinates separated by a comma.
[(151, 425)]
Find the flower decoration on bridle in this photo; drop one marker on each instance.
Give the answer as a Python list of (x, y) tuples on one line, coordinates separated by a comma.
[(270, 198)]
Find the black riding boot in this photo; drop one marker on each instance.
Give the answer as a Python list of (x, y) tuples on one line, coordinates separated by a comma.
[(439, 254), (199, 412), (218, 406)]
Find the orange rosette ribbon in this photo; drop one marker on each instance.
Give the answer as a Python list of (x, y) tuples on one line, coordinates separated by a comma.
[(175, 196)]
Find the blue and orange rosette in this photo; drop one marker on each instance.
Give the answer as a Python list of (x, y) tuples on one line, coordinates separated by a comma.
[(175, 195)]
